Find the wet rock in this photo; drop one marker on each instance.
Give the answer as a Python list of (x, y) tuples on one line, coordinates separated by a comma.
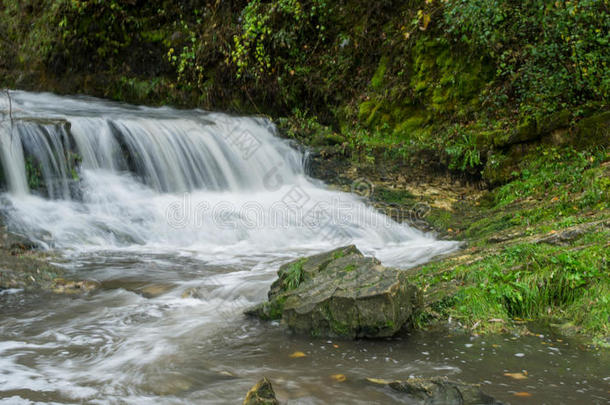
[(439, 391), (341, 293), (145, 289), (261, 394), (155, 290), (170, 385), (62, 286), (26, 270), (15, 241)]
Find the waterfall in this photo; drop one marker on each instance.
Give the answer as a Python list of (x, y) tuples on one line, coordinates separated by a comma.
[(105, 175)]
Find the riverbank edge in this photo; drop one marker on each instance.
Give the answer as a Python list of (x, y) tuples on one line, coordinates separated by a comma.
[(493, 222)]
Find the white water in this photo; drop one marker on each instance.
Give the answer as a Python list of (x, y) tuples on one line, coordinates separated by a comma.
[(170, 198), (165, 180)]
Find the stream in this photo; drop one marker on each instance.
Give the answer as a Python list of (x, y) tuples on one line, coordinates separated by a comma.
[(183, 217)]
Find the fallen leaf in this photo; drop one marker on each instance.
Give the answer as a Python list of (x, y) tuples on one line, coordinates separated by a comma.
[(516, 376), (425, 21), (336, 346), (297, 355), (379, 381), (522, 394), (227, 373), (338, 377)]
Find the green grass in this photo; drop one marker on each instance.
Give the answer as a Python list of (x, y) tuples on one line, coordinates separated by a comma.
[(294, 274), (521, 277), (532, 281)]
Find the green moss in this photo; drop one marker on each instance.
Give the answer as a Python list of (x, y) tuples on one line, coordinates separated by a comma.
[(337, 327), (349, 268), (368, 111), (594, 130), (445, 78), (441, 219), (271, 310), (33, 174), (377, 80), (276, 307), (394, 196), (338, 254)]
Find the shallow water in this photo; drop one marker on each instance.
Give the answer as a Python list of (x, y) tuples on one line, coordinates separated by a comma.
[(115, 345)]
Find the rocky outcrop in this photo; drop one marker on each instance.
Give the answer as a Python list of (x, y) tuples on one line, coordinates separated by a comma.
[(261, 394), (340, 293), (439, 390)]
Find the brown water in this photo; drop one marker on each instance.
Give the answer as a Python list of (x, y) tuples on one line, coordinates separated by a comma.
[(138, 341)]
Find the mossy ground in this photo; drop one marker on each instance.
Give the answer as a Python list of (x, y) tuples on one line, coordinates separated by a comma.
[(537, 249)]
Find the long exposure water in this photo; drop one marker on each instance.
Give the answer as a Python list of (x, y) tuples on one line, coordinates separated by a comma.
[(183, 217)]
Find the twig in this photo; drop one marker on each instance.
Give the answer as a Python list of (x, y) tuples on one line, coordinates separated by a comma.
[(10, 112)]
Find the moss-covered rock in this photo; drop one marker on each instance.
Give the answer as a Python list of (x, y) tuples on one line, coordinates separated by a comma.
[(439, 390), (261, 394), (341, 293), (593, 130)]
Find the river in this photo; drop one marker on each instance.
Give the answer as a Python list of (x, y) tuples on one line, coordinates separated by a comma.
[(183, 217)]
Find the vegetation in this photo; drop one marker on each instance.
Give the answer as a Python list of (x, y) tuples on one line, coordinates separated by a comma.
[(422, 73), (538, 250), (511, 93), (294, 274)]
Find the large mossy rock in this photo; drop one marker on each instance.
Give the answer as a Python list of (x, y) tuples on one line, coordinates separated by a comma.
[(439, 391), (340, 293)]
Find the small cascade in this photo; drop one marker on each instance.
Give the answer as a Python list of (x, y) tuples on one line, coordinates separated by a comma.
[(84, 173), (13, 162), (176, 152)]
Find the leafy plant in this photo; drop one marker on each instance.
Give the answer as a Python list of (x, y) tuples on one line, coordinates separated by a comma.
[(264, 38), (463, 152), (294, 274), (548, 55)]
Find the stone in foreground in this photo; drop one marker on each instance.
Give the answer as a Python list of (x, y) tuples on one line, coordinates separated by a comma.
[(261, 394), (340, 293), (439, 390)]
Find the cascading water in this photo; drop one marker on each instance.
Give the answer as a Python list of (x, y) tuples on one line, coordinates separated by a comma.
[(121, 177), (169, 200), (183, 217)]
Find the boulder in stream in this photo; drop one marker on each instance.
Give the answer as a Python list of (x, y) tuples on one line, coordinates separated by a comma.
[(261, 394), (341, 293), (439, 391)]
